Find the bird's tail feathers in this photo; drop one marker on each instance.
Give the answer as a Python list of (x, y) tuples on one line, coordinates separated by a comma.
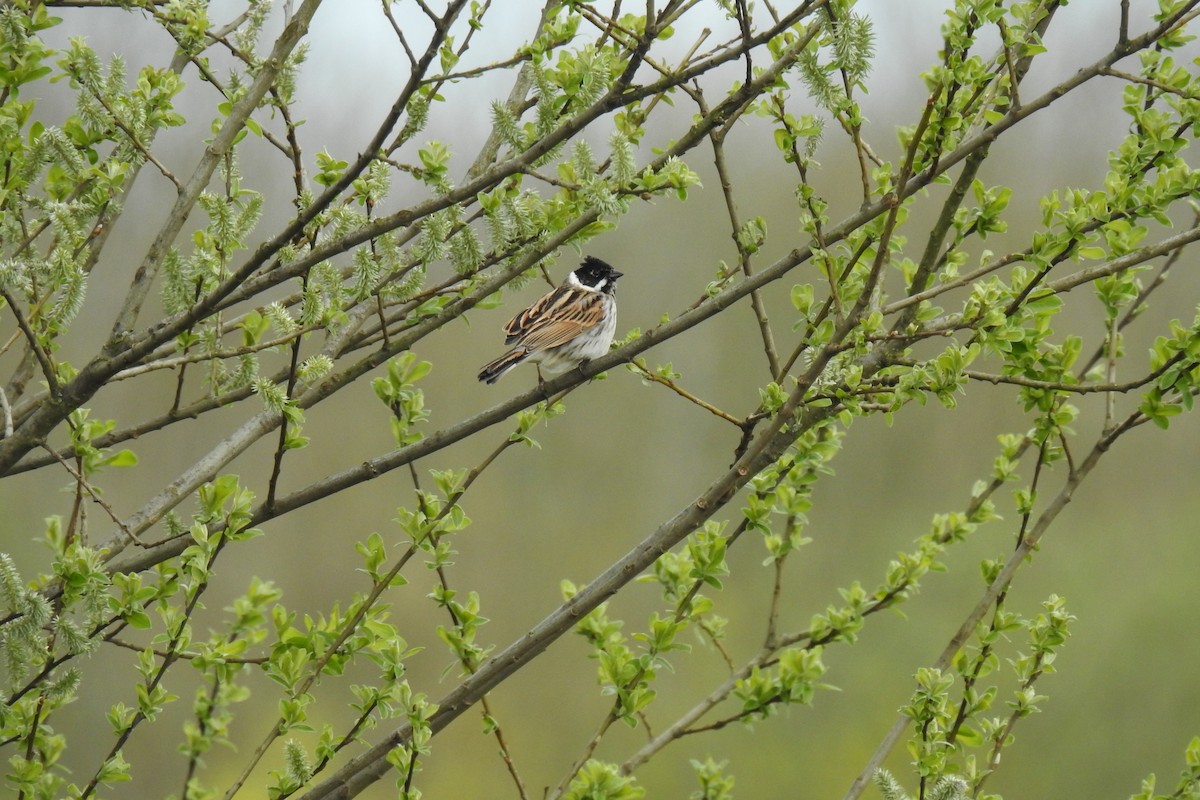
[(492, 371)]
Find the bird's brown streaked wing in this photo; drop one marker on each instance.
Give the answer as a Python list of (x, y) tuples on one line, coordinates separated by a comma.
[(569, 319), (544, 307)]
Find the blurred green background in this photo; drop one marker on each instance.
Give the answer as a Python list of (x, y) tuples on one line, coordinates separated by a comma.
[(627, 456)]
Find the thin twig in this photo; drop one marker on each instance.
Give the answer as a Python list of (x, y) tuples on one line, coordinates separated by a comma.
[(1066, 386), (183, 655), (639, 366), (717, 138), (387, 12), (133, 139), (84, 485), (43, 358)]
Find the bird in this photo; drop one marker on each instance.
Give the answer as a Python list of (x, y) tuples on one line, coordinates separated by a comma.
[(567, 327)]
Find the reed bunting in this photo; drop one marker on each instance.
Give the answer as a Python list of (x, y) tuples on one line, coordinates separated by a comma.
[(572, 324)]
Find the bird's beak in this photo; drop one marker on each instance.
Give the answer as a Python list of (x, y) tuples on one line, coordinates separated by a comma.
[(617, 274)]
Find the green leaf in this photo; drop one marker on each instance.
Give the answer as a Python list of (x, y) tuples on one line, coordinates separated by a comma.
[(123, 458)]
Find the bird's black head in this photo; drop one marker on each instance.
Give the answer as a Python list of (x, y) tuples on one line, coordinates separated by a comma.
[(595, 274)]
